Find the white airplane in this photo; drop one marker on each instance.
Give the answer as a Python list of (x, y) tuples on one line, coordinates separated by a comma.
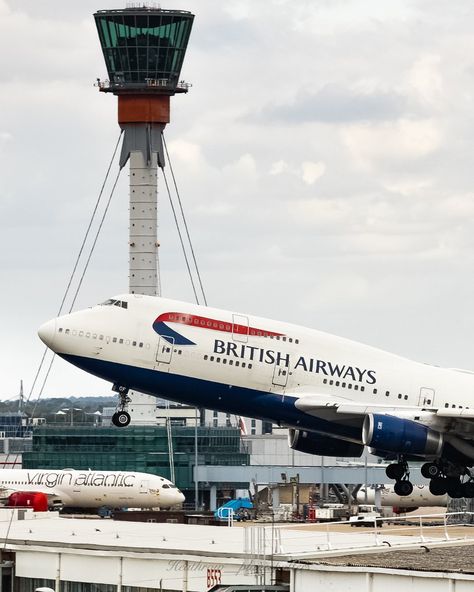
[(420, 497), (91, 489), (336, 395)]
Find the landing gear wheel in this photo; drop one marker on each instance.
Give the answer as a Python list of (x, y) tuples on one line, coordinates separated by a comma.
[(468, 489), (454, 487), (438, 486), (403, 487), (395, 471), (121, 419), (430, 470)]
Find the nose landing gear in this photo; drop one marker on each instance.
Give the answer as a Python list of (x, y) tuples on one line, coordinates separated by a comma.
[(121, 418)]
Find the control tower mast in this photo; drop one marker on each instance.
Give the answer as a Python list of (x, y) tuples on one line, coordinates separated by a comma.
[(144, 49)]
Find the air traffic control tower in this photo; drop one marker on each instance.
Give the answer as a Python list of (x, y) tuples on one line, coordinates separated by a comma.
[(144, 49)]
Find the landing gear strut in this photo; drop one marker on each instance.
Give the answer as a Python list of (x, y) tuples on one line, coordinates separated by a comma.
[(121, 418), (400, 472)]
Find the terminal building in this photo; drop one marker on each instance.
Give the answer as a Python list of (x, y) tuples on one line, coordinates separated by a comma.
[(142, 448)]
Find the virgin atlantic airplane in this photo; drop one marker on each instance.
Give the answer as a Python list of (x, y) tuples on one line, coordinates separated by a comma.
[(335, 395)]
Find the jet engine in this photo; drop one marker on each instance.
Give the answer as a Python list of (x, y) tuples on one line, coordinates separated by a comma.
[(28, 499), (403, 436), (312, 443)]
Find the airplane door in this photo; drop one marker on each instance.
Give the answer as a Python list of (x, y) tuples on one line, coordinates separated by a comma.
[(280, 374), (164, 350), (427, 396), (144, 487), (240, 328)]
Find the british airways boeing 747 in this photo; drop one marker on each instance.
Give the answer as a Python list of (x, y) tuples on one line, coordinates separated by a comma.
[(335, 395)]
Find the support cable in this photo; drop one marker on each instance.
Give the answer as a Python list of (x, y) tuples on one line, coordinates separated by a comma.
[(170, 447), (84, 240), (73, 273), (180, 238), (184, 220), (95, 240), (194, 289), (90, 224), (82, 277)]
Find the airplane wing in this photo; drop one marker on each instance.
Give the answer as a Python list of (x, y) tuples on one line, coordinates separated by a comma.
[(314, 404), (447, 420)]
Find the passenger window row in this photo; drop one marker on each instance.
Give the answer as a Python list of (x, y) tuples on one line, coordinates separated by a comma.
[(101, 337), (455, 406), (348, 385), (230, 362), (361, 387), (221, 326), (277, 337)]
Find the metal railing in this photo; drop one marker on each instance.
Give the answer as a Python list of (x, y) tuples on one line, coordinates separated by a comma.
[(396, 532)]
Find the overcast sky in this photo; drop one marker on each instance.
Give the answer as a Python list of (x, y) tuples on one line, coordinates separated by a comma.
[(324, 157)]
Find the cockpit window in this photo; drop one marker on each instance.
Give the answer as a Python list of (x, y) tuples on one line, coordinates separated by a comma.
[(112, 302), (166, 486)]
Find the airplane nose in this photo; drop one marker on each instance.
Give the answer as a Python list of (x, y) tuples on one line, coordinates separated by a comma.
[(47, 333)]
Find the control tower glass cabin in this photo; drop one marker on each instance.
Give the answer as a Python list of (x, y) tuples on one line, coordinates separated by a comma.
[(144, 49)]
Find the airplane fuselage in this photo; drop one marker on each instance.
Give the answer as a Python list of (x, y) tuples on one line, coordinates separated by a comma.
[(244, 364), (92, 489)]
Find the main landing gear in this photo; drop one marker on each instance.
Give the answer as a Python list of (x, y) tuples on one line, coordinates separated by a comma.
[(444, 478), (401, 473), (448, 478), (121, 418)]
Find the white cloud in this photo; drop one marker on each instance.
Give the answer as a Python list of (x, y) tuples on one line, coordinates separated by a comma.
[(391, 143), (312, 171), (355, 192), (426, 80), (187, 152), (279, 167)]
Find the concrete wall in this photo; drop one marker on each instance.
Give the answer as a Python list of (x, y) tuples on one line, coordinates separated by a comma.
[(196, 574), (178, 572)]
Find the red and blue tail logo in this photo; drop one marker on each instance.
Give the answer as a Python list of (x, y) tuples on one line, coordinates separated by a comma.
[(161, 326)]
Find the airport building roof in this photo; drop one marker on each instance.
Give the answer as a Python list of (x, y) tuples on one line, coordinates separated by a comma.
[(177, 556)]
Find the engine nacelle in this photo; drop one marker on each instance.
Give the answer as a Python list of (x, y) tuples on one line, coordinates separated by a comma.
[(35, 500), (402, 436), (312, 443)]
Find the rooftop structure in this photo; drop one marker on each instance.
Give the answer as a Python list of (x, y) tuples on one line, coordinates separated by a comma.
[(45, 550)]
